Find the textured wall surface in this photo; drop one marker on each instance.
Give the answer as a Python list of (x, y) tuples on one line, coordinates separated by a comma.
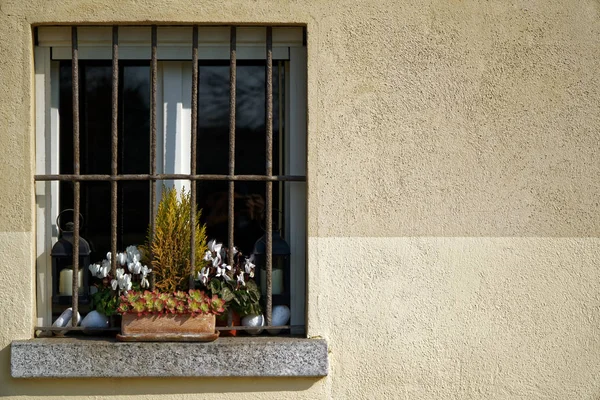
[(453, 196)]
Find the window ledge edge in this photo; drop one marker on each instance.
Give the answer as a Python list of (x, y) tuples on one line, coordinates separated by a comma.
[(226, 357)]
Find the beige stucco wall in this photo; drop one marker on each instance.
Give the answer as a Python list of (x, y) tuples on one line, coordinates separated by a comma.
[(453, 196)]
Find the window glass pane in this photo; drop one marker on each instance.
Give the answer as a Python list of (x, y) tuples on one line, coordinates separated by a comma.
[(95, 141), (250, 155)]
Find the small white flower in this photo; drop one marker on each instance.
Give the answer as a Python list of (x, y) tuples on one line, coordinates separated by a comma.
[(249, 267), (145, 270), (208, 256), (222, 272), (125, 282), (133, 254), (203, 275), (94, 269), (235, 250), (108, 255), (122, 281), (214, 247), (104, 269), (122, 258), (134, 267), (240, 279), (144, 282)]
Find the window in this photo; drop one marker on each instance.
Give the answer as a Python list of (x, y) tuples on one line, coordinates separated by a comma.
[(172, 118)]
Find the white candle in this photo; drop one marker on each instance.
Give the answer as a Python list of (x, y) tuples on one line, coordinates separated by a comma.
[(276, 278), (65, 283)]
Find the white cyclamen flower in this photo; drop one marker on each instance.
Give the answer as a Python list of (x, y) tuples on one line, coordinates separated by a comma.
[(208, 256), (133, 254), (135, 267), (216, 261), (214, 247), (104, 269), (94, 269), (222, 272), (240, 279), (145, 270), (120, 280), (203, 275), (108, 255), (122, 258), (125, 282), (249, 268)]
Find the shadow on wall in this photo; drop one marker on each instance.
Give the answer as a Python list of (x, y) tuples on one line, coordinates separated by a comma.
[(139, 386)]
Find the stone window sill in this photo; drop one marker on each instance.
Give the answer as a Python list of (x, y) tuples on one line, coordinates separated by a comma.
[(95, 358)]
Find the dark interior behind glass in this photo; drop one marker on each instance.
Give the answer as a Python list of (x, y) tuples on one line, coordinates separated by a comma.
[(134, 149)]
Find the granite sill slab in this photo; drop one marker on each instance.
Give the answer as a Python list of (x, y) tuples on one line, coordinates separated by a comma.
[(95, 358)]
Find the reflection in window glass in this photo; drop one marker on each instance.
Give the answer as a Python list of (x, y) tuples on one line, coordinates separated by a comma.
[(250, 145)]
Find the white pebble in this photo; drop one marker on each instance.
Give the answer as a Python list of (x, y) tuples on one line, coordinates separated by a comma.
[(280, 316), (253, 320), (95, 320)]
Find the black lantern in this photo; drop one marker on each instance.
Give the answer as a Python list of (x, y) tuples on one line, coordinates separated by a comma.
[(280, 277), (62, 266)]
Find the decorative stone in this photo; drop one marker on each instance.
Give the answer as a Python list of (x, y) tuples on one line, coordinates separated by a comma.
[(65, 319), (279, 316), (95, 320), (253, 320)]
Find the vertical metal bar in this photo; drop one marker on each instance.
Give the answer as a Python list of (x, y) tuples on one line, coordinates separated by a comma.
[(115, 144), (193, 154), (269, 172), (76, 171), (153, 82), (232, 83), (280, 142)]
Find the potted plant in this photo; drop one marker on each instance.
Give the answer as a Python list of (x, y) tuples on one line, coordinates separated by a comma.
[(160, 316), (172, 310), (232, 283)]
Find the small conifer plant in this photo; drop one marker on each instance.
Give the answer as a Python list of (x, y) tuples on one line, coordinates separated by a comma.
[(170, 245)]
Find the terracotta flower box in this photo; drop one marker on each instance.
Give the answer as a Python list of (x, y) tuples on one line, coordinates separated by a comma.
[(168, 327)]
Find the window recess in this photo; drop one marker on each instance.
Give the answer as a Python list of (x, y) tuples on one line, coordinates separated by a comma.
[(118, 111)]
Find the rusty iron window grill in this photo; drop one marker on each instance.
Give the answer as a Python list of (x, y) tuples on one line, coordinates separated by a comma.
[(114, 178)]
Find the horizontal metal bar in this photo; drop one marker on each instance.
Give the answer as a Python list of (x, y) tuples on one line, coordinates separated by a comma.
[(148, 177), (219, 328), (252, 328), (74, 328)]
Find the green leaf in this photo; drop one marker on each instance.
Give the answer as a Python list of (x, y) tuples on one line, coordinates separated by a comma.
[(254, 296), (227, 295), (251, 285), (215, 286)]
